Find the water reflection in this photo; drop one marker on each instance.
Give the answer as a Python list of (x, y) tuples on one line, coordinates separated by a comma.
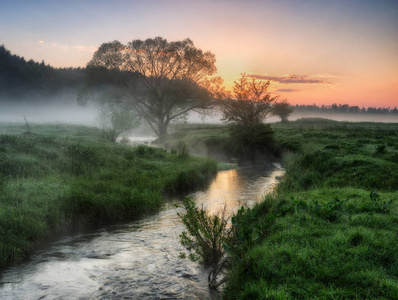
[(138, 260), (235, 188)]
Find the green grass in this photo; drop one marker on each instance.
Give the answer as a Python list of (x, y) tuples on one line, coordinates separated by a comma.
[(330, 229), (202, 139), (52, 174)]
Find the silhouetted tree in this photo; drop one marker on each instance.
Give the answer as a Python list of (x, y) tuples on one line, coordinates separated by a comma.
[(245, 114), (251, 105), (282, 109), (160, 80)]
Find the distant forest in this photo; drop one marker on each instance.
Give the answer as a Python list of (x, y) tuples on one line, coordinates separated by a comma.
[(344, 108), (22, 80)]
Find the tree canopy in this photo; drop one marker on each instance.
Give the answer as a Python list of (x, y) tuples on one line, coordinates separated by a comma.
[(160, 80), (245, 113), (21, 79), (282, 109), (251, 104)]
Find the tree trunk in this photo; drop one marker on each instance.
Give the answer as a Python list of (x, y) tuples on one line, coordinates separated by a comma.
[(162, 129)]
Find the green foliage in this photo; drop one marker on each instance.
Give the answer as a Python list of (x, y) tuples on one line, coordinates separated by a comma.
[(61, 172), (247, 232), (250, 138), (117, 120), (205, 234), (81, 157), (350, 162), (251, 104), (380, 149), (329, 233), (182, 149), (252, 141), (319, 239), (374, 196), (282, 109)]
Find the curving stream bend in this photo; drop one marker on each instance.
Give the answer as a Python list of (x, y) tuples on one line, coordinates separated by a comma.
[(137, 260)]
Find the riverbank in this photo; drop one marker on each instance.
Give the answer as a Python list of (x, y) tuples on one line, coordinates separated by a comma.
[(330, 229), (52, 175)]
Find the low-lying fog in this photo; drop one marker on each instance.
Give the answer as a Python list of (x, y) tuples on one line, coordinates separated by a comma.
[(70, 112), (360, 117), (53, 112)]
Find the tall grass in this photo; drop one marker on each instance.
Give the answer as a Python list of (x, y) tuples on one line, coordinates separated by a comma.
[(330, 229), (57, 173)]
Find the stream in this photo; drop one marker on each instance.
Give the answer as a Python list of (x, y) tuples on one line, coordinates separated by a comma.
[(136, 260)]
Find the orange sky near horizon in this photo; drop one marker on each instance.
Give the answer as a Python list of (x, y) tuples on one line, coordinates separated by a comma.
[(314, 51)]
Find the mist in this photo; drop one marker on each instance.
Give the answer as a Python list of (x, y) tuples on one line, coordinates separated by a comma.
[(216, 117), (64, 109), (56, 111)]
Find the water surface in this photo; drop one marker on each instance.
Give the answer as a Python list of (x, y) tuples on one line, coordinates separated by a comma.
[(137, 260)]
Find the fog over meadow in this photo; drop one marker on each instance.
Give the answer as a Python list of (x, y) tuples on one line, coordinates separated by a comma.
[(66, 110)]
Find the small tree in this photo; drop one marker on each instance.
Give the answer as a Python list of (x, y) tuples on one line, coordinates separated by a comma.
[(114, 120), (246, 113), (282, 109), (251, 105), (206, 237)]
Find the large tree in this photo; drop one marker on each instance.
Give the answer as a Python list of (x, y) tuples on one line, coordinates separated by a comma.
[(160, 80)]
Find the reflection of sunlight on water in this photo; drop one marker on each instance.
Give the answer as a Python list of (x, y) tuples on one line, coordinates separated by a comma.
[(138, 260), (235, 188)]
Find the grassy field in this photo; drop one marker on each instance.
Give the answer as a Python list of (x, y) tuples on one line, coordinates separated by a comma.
[(51, 175), (330, 230)]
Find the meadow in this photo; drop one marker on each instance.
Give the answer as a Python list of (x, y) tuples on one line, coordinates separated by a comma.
[(53, 176), (329, 230)]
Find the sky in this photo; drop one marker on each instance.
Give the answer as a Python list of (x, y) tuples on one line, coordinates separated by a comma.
[(313, 51)]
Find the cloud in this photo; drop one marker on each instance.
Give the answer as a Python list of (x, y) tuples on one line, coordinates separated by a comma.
[(291, 79), (41, 42), (286, 90)]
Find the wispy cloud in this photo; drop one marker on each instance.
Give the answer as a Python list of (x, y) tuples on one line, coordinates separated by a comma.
[(286, 90), (292, 79)]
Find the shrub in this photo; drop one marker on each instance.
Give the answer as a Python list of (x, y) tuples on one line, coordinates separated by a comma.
[(182, 149), (252, 141), (205, 234)]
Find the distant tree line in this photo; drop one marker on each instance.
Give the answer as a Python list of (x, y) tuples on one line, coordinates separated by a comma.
[(28, 80), (344, 108)]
